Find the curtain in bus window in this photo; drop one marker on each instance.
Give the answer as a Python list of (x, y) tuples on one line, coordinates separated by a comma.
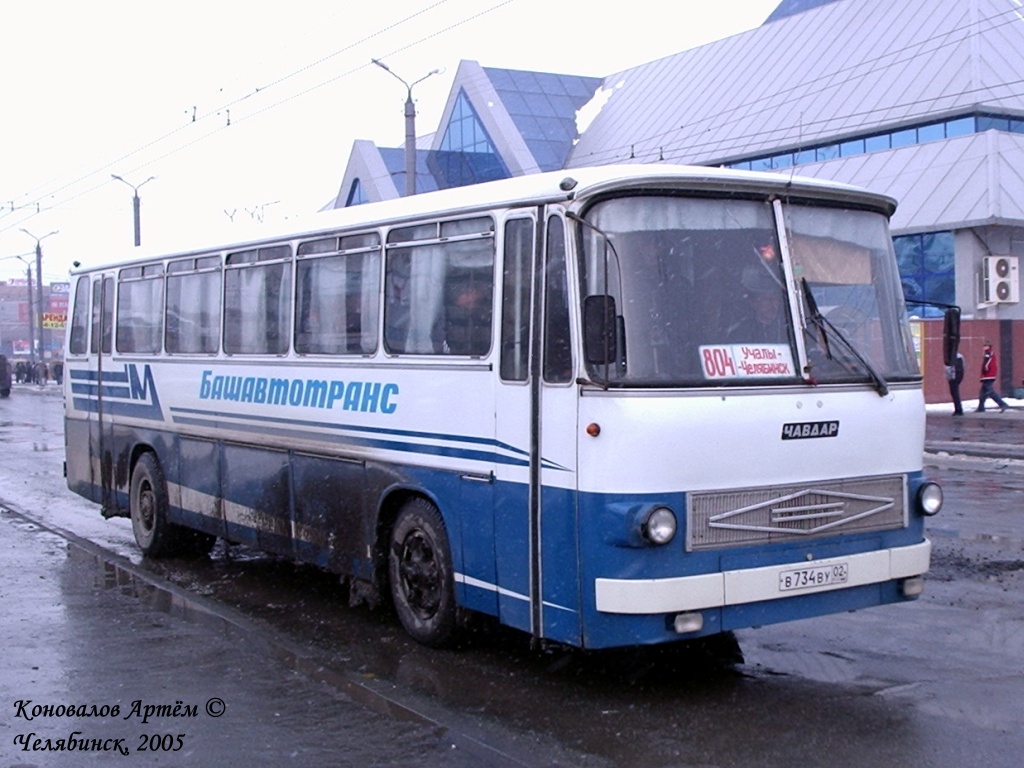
[(139, 316), (846, 259), (468, 297), (193, 313), (257, 310), (439, 297), (338, 297)]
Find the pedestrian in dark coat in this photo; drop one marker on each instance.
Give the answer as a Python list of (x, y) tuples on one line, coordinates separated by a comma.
[(955, 376)]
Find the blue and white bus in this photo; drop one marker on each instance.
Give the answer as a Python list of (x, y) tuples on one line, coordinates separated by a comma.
[(623, 405)]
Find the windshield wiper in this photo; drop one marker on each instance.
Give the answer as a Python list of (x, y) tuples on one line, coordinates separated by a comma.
[(828, 330)]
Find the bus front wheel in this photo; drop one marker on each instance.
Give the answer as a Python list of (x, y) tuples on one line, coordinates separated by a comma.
[(420, 571), (154, 533)]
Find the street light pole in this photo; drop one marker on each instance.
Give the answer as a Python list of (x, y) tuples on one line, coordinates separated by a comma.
[(39, 285), (136, 205), (410, 125)]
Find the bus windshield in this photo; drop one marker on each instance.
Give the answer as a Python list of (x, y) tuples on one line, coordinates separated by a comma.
[(693, 292)]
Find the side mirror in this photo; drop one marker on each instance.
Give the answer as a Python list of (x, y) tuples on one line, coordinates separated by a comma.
[(950, 335), (600, 329)]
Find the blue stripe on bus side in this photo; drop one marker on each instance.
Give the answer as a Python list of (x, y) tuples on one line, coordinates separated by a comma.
[(257, 424)]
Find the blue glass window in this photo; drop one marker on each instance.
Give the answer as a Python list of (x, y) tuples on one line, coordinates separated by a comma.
[(959, 127), (932, 132), (927, 267), (949, 129), (356, 195), (803, 157), (848, 148), (828, 152), (876, 143), (991, 123), (903, 138)]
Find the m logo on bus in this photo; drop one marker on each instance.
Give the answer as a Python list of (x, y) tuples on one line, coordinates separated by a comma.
[(125, 391), (808, 429)]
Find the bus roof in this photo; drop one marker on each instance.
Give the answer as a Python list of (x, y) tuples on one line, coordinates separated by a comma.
[(554, 186)]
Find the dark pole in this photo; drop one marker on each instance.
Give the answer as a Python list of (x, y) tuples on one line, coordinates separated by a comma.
[(31, 319), (138, 223), (136, 206), (410, 126), (410, 145), (39, 298), (39, 286)]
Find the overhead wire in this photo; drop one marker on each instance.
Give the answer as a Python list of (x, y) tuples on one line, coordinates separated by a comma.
[(207, 115)]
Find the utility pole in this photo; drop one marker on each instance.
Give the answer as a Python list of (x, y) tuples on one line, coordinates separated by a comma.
[(39, 285), (136, 205), (410, 126)]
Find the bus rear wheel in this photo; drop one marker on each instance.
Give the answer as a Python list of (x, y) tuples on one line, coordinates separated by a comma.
[(148, 506), (420, 571)]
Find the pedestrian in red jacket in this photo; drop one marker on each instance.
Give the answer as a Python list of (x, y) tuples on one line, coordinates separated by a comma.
[(989, 372)]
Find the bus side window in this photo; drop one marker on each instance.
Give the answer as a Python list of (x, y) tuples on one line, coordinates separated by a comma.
[(102, 315), (78, 343), (469, 297), (517, 285), (557, 344)]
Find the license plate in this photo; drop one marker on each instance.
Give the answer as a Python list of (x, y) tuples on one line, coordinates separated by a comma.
[(817, 576)]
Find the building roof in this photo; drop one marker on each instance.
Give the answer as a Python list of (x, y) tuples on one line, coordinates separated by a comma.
[(543, 107), (831, 71)]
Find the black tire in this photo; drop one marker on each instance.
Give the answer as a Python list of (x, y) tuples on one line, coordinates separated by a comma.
[(148, 505), (420, 574)]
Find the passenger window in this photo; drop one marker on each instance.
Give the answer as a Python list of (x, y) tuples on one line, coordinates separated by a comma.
[(439, 295), (557, 341), (78, 343), (517, 290)]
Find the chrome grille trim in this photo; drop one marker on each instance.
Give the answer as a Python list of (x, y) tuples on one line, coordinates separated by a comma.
[(742, 517)]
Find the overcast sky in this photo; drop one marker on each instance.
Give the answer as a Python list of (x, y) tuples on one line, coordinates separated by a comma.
[(91, 89)]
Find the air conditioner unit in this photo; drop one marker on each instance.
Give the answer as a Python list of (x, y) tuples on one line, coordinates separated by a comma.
[(1001, 279)]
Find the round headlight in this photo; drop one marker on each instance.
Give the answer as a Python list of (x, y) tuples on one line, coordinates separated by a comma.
[(659, 526), (929, 499)]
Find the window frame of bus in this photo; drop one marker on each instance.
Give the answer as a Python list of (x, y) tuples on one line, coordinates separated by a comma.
[(78, 341), (238, 338), (438, 233), (209, 333), (102, 320), (342, 248), (126, 334)]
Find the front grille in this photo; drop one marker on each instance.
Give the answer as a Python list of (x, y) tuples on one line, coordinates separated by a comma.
[(742, 517)]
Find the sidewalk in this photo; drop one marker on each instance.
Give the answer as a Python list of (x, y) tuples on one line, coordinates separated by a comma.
[(990, 434)]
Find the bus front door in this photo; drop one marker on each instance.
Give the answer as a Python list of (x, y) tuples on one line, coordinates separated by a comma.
[(535, 518)]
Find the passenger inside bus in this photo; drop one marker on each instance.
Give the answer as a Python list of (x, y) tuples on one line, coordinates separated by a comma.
[(763, 317)]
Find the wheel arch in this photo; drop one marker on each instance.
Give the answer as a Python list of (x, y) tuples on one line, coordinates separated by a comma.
[(391, 502)]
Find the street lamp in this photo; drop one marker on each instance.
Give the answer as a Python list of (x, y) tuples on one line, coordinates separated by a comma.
[(135, 205), (39, 283), (410, 126)]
